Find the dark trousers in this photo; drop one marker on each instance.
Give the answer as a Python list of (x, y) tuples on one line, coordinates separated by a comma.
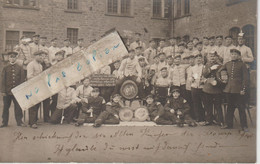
[(185, 119), (17, 110), (68, 114), (86, 117), (33, 114), (54, 102), (167, 118), (107, 118), (197, 97), (210, 100), (161, 94), (46, 109), (236, 100), (105, 92), (189, 100), (133, 78)]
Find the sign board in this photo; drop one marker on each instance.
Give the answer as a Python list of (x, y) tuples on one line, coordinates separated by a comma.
[(102, 80), (70, 70)]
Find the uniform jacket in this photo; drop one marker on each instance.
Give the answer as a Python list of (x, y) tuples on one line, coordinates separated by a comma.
[(210, 75), (34, 48), (130, 67), (98, 105), (177, 104), (237, 76), (12, 76), (113, 108), (155, 109)]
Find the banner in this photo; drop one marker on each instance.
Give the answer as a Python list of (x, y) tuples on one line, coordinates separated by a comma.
[(70, 70)]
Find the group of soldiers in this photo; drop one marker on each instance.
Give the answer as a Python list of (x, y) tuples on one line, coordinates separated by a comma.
[(179, 83)]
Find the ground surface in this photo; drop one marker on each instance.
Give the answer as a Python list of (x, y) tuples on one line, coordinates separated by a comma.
[(133, 143)]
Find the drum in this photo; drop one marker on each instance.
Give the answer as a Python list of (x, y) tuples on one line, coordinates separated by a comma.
[(141, 114), (129, 89), (126, 114)]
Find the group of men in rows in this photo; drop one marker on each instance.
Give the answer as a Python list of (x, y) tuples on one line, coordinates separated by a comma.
[(184, 81)]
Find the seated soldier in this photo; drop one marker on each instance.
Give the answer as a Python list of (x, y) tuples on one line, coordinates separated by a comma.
[(178, 109), (162, 86), (156, 111), (66, 106), (91, 108), (111, 114)]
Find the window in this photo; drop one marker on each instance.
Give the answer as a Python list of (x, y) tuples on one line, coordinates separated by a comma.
[(162, 8), (31, 3), (234, 32), (119, 7), (13, 2), (11, 40), (249, 33), (28, 34), (187, 7), (178, 14), (73, 4), (21, 3), (72, 34)]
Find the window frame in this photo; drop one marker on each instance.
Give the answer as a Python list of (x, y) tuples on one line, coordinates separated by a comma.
[(233, 2), (162, 10), (73, 40), (21, 4), (119, 9)]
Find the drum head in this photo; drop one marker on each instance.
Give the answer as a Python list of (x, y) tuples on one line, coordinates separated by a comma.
[(141, 114), (129, 89), (126, 114)]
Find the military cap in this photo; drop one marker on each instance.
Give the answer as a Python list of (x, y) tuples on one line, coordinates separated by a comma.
[(177, 56), (137, 33), (181, 44), (163, 68), (200, 42), (95, 90), (205, 37), (236, 51), (116, 95), (36, 35), (150, 96), (212, 37), (187, 57), (198, 55), (43, 37), (54, 39), (195, 38), (151, 40), (228, 37), (190, 41), (141, 58), (12, 53), (162, 39), (156, 56), (213, 52), (219, 36), (175, 89), (169, 57), (172, 38), (39, 53), (67, 39), (139, 47), (131, 50), (161, 53), (61, 52)]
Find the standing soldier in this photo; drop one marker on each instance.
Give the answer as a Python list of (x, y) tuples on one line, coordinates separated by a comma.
[(53, 50), (34, 68), (246, 52), (200, 50), (67, 48), (12, 76), (195, 40), (220, 49), (235, 89), (190, 50), (137, 42), (211, 46), (35, 45), (172, 49), (43, 46), (212, 90), (205, 44), (229, 46), (150, 52)]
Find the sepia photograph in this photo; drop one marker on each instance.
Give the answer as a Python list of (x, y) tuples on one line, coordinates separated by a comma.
[(128, 81)]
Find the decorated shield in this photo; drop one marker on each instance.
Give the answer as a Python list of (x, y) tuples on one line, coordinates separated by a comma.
[(126, 114), (129, 89), (141, 114)]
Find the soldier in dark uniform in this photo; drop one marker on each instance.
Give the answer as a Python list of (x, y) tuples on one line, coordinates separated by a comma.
[(91, 108), (111, 114), (12, 76), (179, 109), (212, 90), (235, 88), (156, 112)]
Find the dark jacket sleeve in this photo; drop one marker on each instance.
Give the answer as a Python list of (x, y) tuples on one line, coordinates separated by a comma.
[(186, 108), (22, 75), (224, 67), (206, 71), (245, 77), (167, 106), (160, 110), (3, 86)]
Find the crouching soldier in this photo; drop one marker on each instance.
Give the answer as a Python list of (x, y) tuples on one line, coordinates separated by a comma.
[(178, 108), (91, 108), (66, 106), (156, 111), (111, 114)]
